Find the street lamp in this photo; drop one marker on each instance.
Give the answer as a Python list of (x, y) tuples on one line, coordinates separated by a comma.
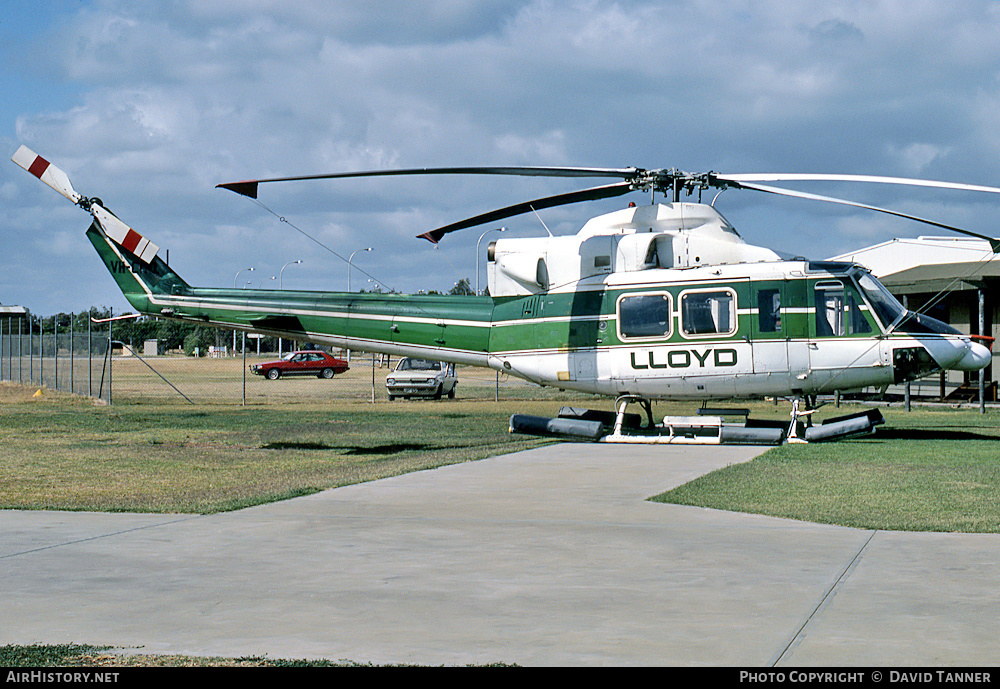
[(495, 229), (351, 258), (280, 273), (238, 275), (265, 280)]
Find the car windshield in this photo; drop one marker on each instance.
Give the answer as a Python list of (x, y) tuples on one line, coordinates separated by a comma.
[(418, 365), (288, 357)]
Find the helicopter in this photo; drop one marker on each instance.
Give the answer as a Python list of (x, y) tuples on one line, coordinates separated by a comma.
[(660, 301)]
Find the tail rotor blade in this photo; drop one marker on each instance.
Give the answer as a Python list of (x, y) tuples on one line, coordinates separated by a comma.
[(124, 235), (115, 229), (45, 171)]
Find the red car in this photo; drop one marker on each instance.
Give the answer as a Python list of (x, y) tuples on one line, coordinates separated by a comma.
[(319, 364)]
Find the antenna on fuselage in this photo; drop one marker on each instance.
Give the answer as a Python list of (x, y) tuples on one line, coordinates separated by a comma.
[(542, 221)]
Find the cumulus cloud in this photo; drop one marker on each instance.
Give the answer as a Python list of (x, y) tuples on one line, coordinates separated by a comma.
[(149, 105)]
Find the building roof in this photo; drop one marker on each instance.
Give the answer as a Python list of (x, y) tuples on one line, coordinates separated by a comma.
[(927, 264), (13, 310)]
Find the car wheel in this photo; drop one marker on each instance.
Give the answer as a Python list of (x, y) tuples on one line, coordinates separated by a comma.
[(451, 393), (273, 374), (437, 393), (326, 373)]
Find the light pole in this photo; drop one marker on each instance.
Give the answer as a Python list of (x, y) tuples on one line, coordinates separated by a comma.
[(261, 285), (281, 272), (495, 229), (351, 258), (238, 275)]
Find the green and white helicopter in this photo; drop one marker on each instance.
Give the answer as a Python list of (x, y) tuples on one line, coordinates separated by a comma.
[(650, 302)]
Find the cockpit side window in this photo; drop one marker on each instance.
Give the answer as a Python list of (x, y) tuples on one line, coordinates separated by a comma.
[(886, 307), (838, 311)]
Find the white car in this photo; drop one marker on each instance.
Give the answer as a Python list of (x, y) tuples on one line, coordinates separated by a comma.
[(421, 378)]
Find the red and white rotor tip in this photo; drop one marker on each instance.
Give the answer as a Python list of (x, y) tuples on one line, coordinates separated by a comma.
[(123, 235), (115, 229), (45, 171)]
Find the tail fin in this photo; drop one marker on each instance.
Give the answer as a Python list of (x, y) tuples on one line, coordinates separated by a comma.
[(137, 279)]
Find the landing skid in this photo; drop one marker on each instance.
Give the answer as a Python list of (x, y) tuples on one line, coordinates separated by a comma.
[(710, 427)]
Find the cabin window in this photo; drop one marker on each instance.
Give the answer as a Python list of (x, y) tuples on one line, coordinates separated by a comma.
[(644, 316), (838, 312), (769, 310), (708, 313)]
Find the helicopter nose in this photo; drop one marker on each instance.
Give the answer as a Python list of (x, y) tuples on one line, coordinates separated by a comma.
[(958, 353), (976, 358)]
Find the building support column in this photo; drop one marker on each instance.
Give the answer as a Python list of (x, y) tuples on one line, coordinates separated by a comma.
[(982, 333)]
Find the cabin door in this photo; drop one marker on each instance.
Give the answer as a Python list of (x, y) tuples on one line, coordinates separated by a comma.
[(780, 333)]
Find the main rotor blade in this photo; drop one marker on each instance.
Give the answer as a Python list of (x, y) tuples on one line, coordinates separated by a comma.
[(994, 243), (592, 194), (249, 187), (868, 179)]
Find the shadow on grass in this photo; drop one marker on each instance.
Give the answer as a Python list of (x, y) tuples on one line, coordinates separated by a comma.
[(389, 449)]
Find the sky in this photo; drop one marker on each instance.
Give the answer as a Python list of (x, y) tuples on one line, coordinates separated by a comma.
[(150, 105)]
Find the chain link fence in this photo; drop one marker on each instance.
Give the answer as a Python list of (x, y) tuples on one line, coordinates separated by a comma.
[(71, 360), (91, 360)]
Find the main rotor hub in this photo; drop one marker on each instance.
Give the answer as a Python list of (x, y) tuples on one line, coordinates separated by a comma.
[(673, 181)]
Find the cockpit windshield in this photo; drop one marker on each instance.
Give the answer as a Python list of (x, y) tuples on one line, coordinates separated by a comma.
[(886, 307)]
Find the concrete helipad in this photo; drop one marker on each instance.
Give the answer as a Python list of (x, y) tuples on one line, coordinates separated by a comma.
[(545, 557)]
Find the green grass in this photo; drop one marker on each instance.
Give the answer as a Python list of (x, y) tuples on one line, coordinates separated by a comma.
[(63, 453), (922, 471)]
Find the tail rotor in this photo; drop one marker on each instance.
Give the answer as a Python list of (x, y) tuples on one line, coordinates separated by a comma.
[(116, 230)]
